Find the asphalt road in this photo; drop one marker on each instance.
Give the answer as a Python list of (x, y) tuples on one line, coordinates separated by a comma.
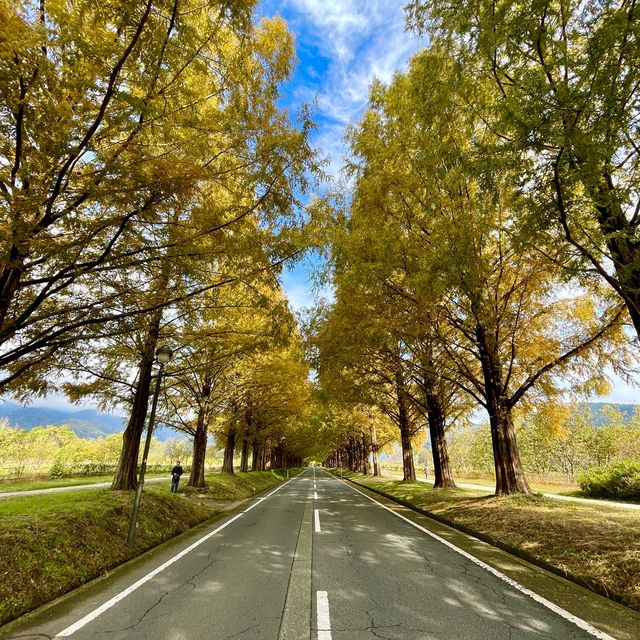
[(313, 559)]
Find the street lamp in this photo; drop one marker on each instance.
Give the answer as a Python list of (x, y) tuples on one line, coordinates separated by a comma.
[(163, 355)]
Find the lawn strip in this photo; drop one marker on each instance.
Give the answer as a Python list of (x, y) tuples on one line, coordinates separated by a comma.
[(57, 542), (595, 546), (31, 485)]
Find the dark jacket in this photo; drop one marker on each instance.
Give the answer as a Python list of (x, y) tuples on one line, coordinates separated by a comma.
[(177, 471)]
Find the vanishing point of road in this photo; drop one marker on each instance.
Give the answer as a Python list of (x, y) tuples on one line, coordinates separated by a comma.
[(318, 559)]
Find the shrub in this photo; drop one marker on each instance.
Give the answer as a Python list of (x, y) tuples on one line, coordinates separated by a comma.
[(619, 480), (96, 469), (58, 470)]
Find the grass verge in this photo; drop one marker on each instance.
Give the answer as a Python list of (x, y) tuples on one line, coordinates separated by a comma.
[(541, 483), (222, 486), (54, 543), (595, 545), (7, 486)]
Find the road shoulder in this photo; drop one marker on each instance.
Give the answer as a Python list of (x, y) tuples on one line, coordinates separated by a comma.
[(604, 614)]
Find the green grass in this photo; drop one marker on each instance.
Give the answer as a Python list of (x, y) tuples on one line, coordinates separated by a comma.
[(537, 483), (598, 544), (222, 486), (29, 485), (544, 484), (56, 542)]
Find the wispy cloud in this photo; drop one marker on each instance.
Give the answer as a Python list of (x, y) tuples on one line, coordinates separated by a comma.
[(342, 46)]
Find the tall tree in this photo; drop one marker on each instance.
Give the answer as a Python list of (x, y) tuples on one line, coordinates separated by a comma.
[(110, 113), (429, 178), (236, 323), (565, 76)]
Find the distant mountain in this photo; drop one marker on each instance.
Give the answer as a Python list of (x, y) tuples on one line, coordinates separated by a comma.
[(87, 423), (627, 410)]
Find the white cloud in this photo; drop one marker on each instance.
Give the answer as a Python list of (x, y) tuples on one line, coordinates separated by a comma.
[(357, 41), (362, 39)]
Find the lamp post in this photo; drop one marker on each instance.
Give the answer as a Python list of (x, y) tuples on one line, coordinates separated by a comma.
[(163, 355)]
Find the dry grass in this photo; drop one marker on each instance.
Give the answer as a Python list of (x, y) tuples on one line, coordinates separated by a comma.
[(600, 545)]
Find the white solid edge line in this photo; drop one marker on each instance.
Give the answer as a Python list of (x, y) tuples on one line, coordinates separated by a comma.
[(563, 613), (136, 585), (316, 514), (322, 615)]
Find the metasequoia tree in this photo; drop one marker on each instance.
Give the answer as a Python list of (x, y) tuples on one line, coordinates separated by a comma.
[(353, 342), (269, 409), (379, 241), (564, 80), (241, 320), (350, 432), (347, 418), (110, 114), (123, 169), (502, 317)]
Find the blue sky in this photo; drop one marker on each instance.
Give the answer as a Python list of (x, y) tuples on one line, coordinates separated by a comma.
[(341, 45)]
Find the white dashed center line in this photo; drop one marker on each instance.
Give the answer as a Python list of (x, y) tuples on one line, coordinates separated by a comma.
[(322, 614)]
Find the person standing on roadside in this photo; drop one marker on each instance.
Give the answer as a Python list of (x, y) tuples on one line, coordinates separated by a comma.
[(176, 472)]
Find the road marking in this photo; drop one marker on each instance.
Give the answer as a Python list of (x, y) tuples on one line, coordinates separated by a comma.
[(296, 617), (255, 504), (315, 495), (322, 615), (136, 585), (316, 514), (585, 626)]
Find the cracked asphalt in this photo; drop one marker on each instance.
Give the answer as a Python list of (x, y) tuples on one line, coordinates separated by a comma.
[(383, 577), (386, 579)]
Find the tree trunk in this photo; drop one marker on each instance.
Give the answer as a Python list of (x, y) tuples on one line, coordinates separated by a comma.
[(255, 454), (374, 446), (126, 474), (622, 242), (9, 281), (196, 477), (262, 462), (443, 475), (227, 464), (275, 461), (510, 477), (244, 459), (408, 468), (366, 469)]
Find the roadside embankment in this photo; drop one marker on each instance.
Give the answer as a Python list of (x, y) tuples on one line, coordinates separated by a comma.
[(596, 546), (54, 543)]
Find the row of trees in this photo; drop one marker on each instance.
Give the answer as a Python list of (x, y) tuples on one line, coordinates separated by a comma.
[(58, 451), (487, 254), (554, 440), (148, 195)]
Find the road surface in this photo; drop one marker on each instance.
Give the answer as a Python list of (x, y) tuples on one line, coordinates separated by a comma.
[(314, 559)]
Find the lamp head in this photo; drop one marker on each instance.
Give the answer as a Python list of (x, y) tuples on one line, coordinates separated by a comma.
[(164, 354)]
